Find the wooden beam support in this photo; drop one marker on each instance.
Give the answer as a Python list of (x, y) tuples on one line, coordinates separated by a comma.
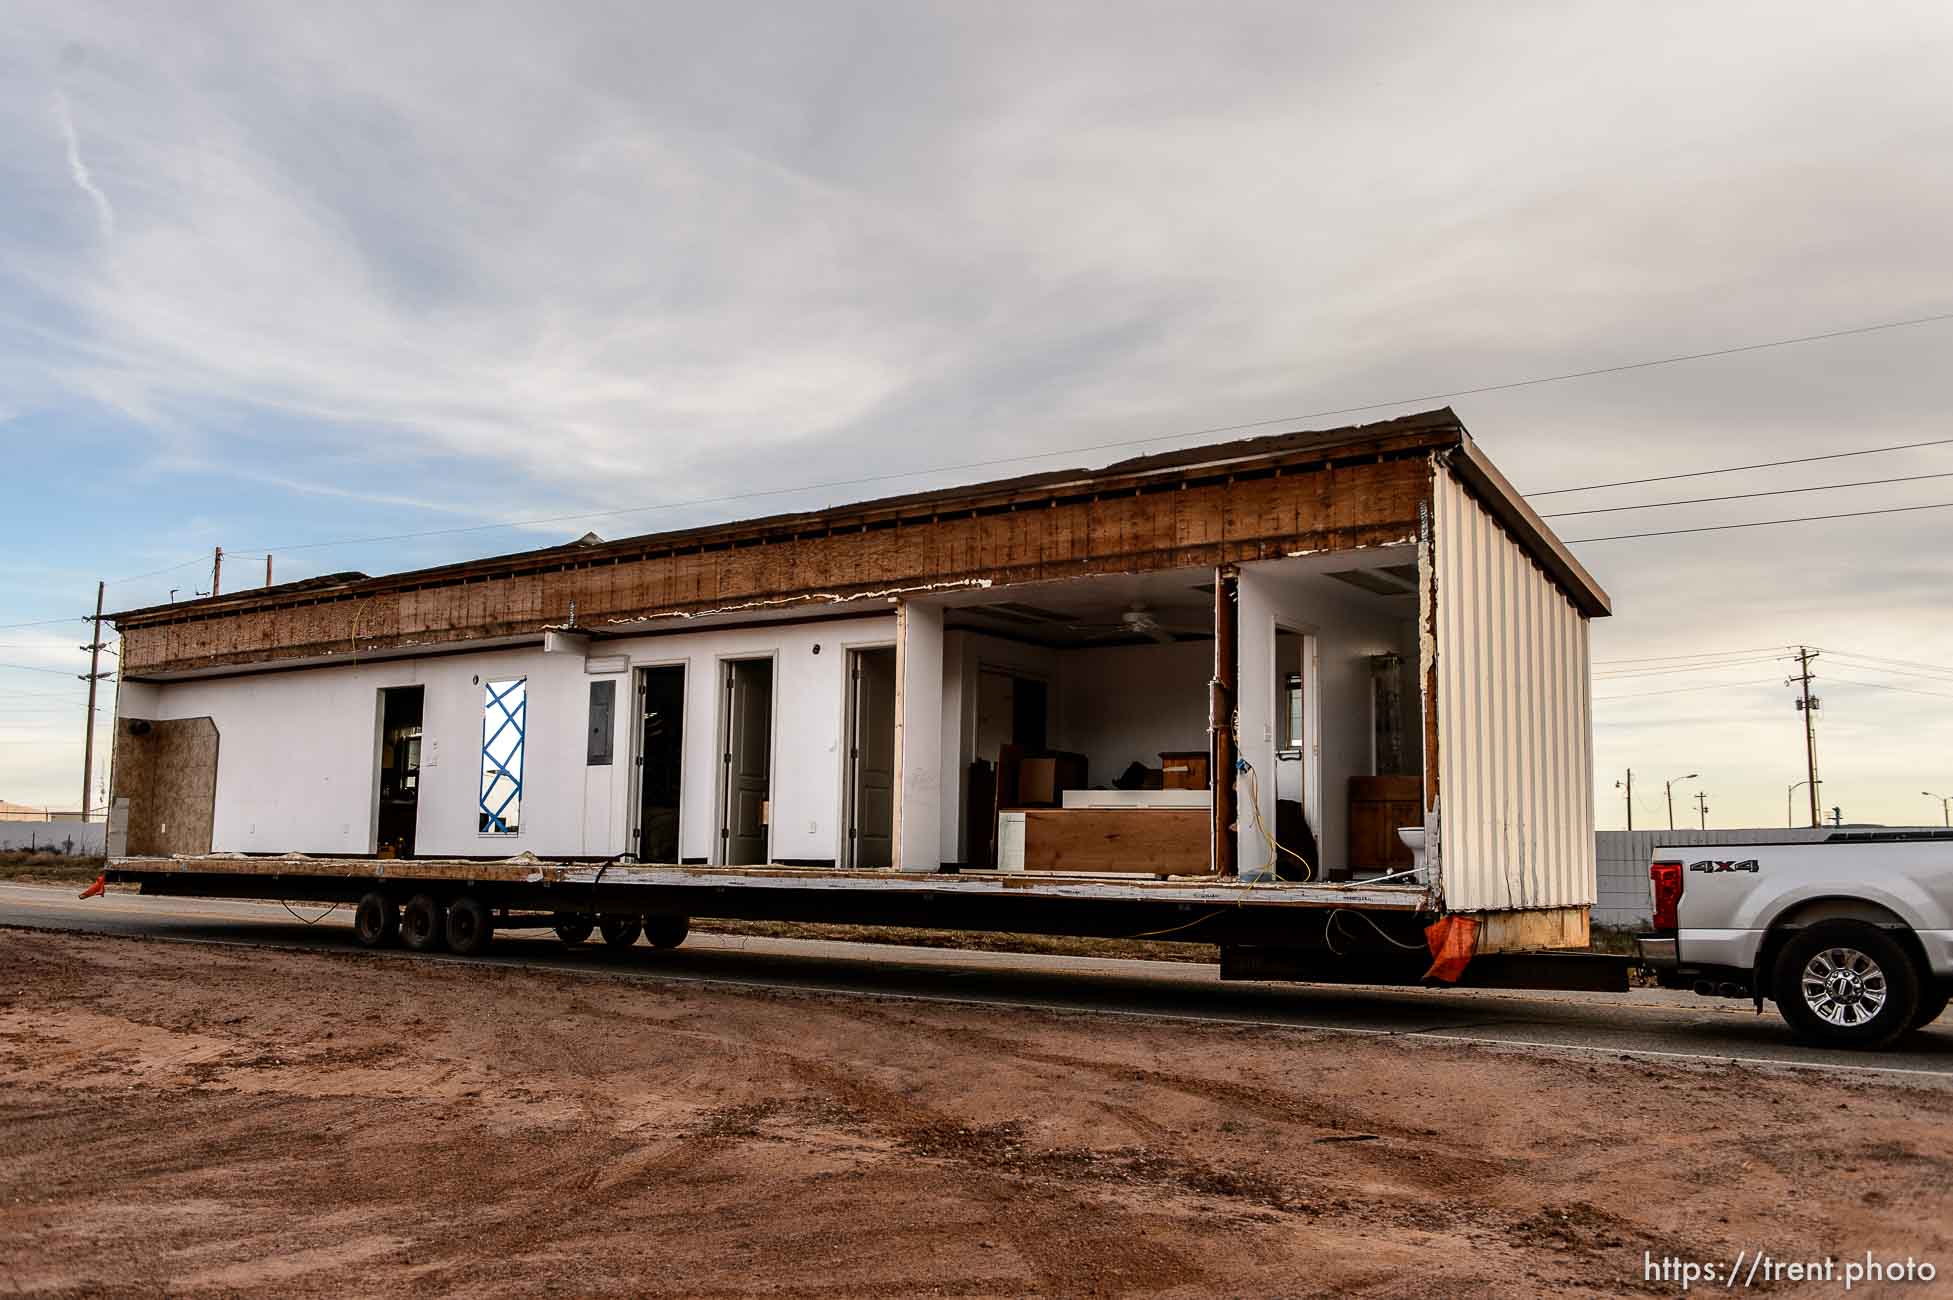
[(1220, 718)]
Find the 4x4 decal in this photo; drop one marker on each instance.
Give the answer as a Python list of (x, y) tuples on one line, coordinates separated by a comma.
[(1710, 864)]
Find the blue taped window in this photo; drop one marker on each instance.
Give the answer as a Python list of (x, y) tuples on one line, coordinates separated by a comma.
[(504, 722)]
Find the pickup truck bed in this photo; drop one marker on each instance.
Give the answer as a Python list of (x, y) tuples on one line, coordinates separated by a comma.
[(1852, 937)]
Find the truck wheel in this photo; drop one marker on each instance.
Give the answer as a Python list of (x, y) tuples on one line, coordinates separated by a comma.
[(376, 921), (666, 931), (470, 927), (573, 930), (1846, 984), (620, 931), (1932, 1005), (422, 925)]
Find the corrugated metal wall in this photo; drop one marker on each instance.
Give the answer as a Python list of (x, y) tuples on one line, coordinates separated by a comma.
[(1515, 740)]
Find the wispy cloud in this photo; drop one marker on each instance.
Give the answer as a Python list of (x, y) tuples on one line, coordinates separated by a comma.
[(78, 170)]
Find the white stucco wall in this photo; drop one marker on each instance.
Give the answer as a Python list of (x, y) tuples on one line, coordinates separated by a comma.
[(297, 751)]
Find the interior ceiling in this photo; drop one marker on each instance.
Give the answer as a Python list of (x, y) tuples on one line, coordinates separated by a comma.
[(1091, 611)]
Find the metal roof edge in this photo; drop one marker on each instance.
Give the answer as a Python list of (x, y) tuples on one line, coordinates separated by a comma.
[(1506, 504)]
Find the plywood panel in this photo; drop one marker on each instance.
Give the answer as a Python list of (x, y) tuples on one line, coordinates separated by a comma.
[(1149, 841), (168, 772)]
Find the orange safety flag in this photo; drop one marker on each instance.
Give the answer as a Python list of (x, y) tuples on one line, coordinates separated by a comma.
[(1452, 941), (99, 887)]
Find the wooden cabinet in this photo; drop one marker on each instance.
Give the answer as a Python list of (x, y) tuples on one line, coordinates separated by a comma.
[(1378, 805)]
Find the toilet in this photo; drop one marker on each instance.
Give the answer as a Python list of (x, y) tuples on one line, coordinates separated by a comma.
[(1413, 838)]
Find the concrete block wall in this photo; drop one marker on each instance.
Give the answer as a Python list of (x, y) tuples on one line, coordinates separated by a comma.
[(1624, 857)]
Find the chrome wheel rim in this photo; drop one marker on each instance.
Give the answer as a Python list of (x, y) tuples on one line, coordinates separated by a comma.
[(1844, 987)]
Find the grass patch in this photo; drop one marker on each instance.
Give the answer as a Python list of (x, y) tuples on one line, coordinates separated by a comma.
[(55, 868)]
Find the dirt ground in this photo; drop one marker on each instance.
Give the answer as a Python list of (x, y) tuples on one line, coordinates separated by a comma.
[(209, 1120)]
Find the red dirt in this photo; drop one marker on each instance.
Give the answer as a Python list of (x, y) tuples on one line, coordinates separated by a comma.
[(209, 1120)]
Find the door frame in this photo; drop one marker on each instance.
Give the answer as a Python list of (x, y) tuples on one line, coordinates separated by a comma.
[(722, 791), (633, 798), (849, 650), (1312, 809), (379, 744)]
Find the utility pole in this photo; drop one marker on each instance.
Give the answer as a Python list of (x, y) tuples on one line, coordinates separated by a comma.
[(217, 571), (1702, 808), (1629, 783), (94, 649), (267, 570), (1945, 805), (1808, 706), (1668, 788)]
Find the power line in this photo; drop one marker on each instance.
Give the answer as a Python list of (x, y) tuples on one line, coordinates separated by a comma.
[(1683, 668), (1746, 496), (1762, 523), (31, 668), (1737, 469), (1703, 654), (1683, 690), (1910, 663), (46, 622), (993, 462), (1881, 686)]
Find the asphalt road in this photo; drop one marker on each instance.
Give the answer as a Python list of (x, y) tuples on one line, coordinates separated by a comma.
[(1645, 1023)]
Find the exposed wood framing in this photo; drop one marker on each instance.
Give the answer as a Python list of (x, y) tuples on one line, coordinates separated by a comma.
[(1555, 927), (1220, 718), (1278, 496)]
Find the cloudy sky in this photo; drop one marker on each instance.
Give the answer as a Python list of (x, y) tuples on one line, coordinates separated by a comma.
[(273, 276)]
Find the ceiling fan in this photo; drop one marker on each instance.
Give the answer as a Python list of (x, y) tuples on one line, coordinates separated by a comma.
[(1137, 620)]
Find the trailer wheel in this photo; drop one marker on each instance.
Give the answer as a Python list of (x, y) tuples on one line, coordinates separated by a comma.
[(376, 921), (1846, 984), (573, 930), (666, 931), (620, 931), (422, 923), (470, 927)]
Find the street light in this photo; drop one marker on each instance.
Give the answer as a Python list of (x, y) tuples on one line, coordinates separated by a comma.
[(1789, 816), (1668, 787), (1945, 804)]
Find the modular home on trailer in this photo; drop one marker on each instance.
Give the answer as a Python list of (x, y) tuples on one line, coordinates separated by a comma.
[(1303, 695)]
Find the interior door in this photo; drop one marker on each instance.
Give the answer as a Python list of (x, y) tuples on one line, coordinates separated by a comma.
[(748, 761), (661, 754), (871, 757)]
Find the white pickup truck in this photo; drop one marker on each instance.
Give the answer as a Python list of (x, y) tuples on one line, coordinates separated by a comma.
[(1851, 937)]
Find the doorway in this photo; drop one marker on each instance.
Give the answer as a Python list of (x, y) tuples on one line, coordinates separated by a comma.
[(746, 809), (660, 760), (871, 758), (399, 783)]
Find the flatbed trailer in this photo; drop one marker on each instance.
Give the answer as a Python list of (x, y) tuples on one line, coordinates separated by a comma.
[(1387, 933)]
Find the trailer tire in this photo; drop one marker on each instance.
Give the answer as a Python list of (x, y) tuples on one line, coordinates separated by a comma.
[(620, 931), (423, 925), (1846, 984), (666, 931), (573, 930), (471, 926), (376, 921)]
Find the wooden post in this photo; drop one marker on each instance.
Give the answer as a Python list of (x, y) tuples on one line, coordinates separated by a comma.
[(267, 570), (94, 676), (1220, 719), (216, 570)]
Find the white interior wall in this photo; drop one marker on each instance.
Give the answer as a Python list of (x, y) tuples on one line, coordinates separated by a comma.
[(1128, 703), (1348, 629), (919, 785), (297, 749)]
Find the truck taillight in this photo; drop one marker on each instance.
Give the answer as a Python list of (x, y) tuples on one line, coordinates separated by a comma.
[(1666, 880)]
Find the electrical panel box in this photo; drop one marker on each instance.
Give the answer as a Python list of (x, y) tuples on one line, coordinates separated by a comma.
[(603, 710)]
